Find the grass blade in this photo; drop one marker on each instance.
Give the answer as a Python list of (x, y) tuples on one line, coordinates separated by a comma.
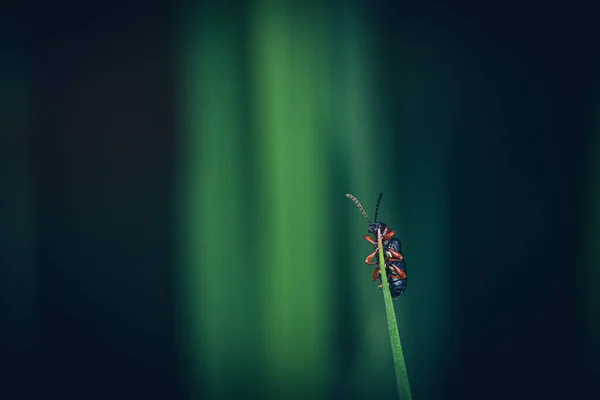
[(399, 365)]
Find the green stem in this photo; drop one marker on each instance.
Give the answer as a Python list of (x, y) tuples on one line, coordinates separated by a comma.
[(399, 366)]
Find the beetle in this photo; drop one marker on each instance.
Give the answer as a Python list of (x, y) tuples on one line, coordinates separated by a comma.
[(392, 248)]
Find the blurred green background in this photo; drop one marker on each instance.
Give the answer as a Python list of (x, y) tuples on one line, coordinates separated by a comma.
[(173, 218)]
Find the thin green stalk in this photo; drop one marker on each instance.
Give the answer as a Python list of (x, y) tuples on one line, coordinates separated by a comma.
[(399, 366)]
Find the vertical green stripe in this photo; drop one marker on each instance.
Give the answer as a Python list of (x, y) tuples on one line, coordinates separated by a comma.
[(290, 93), (212, 205), (357, 142)]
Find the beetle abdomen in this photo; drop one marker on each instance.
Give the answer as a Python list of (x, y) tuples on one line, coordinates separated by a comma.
[(397, 286)]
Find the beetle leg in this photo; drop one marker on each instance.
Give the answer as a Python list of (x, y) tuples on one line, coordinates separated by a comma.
[(389, 235), (401, 274), (395, 277), (396, 254), (369, 259), (370, 240), (376, 273), (393, 259)]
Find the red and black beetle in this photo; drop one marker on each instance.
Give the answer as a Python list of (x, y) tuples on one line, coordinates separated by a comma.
[(392, 249)]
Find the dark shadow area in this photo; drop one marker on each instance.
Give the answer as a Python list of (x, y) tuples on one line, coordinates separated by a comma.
[(517, 180), (102, 140)]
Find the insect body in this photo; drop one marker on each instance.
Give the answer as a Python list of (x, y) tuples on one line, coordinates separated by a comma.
[(392, 250), (397, 283)]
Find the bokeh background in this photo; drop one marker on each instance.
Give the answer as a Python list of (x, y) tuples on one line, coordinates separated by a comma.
[(173, 219)]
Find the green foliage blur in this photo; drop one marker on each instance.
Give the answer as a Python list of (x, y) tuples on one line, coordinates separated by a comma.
[(285, 108), (281, 117)]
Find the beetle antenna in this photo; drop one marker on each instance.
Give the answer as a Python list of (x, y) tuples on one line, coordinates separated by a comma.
[(377, 206), (355, 200)]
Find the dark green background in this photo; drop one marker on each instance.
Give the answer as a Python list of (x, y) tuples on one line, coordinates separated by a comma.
[(173, 219)]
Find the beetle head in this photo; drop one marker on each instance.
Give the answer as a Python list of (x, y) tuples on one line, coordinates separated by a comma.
[(373, 226)]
